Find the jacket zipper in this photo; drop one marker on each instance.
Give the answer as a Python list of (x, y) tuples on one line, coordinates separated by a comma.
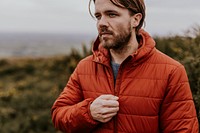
[(116, 93), (115, 117)]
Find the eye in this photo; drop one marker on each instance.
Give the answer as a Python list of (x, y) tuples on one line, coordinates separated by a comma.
[(112, 15), (97, 16)]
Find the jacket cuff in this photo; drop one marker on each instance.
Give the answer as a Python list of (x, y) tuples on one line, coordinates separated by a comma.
[(89, 113)]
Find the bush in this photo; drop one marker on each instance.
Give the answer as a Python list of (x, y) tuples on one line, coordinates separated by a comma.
[(186, 49)]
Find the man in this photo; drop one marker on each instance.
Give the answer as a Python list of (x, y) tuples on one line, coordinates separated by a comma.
[(127, 85)]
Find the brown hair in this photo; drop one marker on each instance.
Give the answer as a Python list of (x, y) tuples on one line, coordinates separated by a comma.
[(134, 6)]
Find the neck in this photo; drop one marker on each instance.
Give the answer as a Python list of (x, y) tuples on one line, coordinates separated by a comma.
[(119, 55)]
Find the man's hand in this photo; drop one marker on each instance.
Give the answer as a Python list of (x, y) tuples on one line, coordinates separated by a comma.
[(104, 108)]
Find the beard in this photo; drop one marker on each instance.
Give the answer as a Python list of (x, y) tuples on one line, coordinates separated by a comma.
[(116, 41)]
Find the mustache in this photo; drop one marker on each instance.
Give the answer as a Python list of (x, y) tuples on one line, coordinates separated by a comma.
[(104, 31)]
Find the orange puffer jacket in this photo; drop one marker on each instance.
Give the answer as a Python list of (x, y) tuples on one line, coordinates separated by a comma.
[(153, 90)]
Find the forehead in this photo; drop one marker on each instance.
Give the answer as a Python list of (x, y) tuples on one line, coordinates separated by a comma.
[(104, 5)]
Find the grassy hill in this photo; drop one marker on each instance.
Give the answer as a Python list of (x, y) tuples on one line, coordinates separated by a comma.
[(28, 88)]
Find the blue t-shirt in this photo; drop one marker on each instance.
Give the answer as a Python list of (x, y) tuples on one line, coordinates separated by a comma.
[(115, 68)]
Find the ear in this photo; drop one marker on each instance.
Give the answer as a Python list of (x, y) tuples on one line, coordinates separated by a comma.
[(136, 20)]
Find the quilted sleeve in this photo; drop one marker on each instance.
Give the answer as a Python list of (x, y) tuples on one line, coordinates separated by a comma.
[(70, 112), (178, 112)]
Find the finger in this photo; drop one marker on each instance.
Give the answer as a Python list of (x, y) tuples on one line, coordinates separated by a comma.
[(109, 115), (105, 120), (108, 97), (110, 103), (109, 110)]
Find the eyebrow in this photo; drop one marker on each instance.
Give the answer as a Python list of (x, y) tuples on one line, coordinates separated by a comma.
[(108, 11)]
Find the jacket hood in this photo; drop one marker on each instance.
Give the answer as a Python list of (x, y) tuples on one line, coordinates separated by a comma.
[(147, 46)]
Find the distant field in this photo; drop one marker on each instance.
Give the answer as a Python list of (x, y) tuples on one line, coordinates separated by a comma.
[(34, 45)]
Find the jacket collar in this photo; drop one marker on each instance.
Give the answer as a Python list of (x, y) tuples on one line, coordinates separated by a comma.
[(147, 46)]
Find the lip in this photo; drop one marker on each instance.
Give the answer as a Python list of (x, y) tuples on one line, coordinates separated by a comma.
[(105, 34)]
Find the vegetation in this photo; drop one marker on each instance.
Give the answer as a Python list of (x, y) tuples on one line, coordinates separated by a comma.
[(28, 86), (186, 49)]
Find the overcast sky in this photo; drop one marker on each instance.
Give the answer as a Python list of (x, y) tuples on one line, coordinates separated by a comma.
[(71, 16)]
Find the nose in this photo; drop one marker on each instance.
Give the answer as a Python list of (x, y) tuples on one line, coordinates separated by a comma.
[(102, 22)]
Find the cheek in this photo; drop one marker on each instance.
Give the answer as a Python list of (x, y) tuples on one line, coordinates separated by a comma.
[(97, 26), (121, 27)]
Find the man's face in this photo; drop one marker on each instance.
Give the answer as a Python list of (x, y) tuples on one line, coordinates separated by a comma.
[(113, 24)]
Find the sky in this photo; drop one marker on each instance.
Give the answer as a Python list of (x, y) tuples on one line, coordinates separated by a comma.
[(72, 17)]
